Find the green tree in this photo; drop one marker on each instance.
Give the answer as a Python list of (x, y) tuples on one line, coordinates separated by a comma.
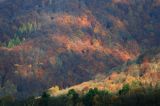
[(73, 97), (14, 42), (88, 98), (125, 89), (44, 99)]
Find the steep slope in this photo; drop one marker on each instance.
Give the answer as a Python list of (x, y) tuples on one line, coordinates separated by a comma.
[(66, 42)]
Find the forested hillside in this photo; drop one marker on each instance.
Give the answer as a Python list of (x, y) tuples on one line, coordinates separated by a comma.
[(44, 43)]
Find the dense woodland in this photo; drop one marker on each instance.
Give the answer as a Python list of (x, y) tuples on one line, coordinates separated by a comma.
[(60, 45)]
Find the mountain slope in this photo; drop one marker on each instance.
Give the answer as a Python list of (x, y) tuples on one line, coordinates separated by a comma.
[(66, 42)]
